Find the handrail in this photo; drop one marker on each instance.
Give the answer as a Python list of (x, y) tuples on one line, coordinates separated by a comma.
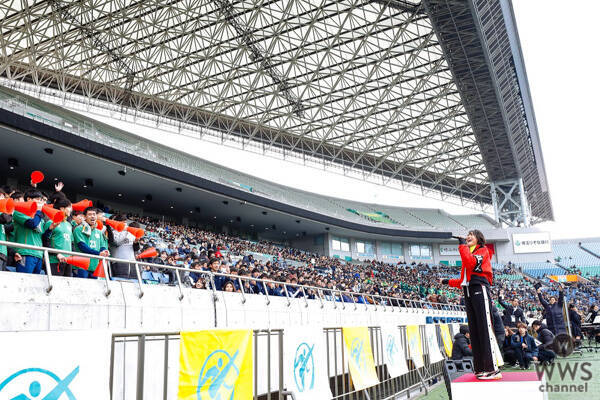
[(333, 293)]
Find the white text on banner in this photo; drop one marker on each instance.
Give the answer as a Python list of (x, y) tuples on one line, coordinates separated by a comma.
[(305, 368), (393, 353), (66, 365)]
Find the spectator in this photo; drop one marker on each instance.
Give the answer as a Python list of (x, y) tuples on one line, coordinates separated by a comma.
[(461, 348), (90, 240), (215, 267), (229, 286), (512, 313), (5, 229), (28, 230), (524, 346), (575, 320), (60, 236), (123, 246), (498, 327), (76, 218), (553, 311), (546, 339), (508, 352)]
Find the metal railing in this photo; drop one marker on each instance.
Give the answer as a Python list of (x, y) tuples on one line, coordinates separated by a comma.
[(322, 294), (268, 366)]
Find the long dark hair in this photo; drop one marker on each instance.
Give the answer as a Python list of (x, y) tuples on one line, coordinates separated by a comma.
[(479, 236)]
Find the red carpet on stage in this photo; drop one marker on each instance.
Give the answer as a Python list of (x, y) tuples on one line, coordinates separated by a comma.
[(528, 383), (506, 377)]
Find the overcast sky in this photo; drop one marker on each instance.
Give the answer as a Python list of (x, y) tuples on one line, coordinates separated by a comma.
[(562, 61)]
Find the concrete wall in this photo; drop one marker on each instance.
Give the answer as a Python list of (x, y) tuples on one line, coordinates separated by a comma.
[(80, 304)]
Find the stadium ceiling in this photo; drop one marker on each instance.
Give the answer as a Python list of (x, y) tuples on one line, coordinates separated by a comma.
[(401, 89)]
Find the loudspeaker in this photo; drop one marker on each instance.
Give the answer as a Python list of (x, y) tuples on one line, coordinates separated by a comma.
[(454, 369)]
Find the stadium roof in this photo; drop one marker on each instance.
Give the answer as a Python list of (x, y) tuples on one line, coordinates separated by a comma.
[(412, 91)]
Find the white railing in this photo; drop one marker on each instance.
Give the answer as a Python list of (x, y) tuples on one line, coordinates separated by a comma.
[(318, 293)]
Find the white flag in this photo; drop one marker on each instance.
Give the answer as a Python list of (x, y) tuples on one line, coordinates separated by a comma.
[(305, 368), (432, 344), (52, 365), (393, 353)]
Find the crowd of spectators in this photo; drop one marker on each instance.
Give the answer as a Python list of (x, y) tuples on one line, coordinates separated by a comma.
[(241, 262)]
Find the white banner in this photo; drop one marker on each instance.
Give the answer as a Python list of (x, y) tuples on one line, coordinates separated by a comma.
[(305, 368), (52, 365), (449, 250), (393, 353), (538, 242), (455, 329), (432, 344)]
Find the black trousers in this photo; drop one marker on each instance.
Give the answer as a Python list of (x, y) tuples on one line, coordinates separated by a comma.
[(523, 358), (479, 313), (546, 355), (509, 356)]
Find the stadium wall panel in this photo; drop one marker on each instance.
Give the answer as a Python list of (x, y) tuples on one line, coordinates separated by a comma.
[(80, 304)]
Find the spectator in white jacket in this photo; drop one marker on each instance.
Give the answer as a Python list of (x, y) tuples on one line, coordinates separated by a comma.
[(123, 245)]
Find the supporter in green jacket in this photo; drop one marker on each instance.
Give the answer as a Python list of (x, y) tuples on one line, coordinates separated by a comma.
[(28, 230), (60, 236), (88, 239)]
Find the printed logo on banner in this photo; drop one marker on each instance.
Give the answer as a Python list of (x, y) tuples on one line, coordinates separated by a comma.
[(304, 367), (357, 354), (32, 383), (218, 375), (392, 348)]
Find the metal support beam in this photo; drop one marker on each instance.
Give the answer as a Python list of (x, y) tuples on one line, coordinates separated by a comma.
[(261, 57), (510, 203)]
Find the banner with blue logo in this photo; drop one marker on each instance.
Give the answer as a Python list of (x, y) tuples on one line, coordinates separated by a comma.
[(305, 366), (52, 365), (393, 352), (360, 357), (433, 346), (216, 365), (415, 348), (446, 338)]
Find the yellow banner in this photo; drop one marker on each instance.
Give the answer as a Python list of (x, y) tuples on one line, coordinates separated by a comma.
[(360, 357), (447, 339), (413, 336), (216, 365)]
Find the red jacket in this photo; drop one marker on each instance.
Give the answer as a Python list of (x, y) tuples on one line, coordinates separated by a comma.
[(476, 263)]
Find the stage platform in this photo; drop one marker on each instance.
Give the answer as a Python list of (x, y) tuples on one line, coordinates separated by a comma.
[(527, 383)]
